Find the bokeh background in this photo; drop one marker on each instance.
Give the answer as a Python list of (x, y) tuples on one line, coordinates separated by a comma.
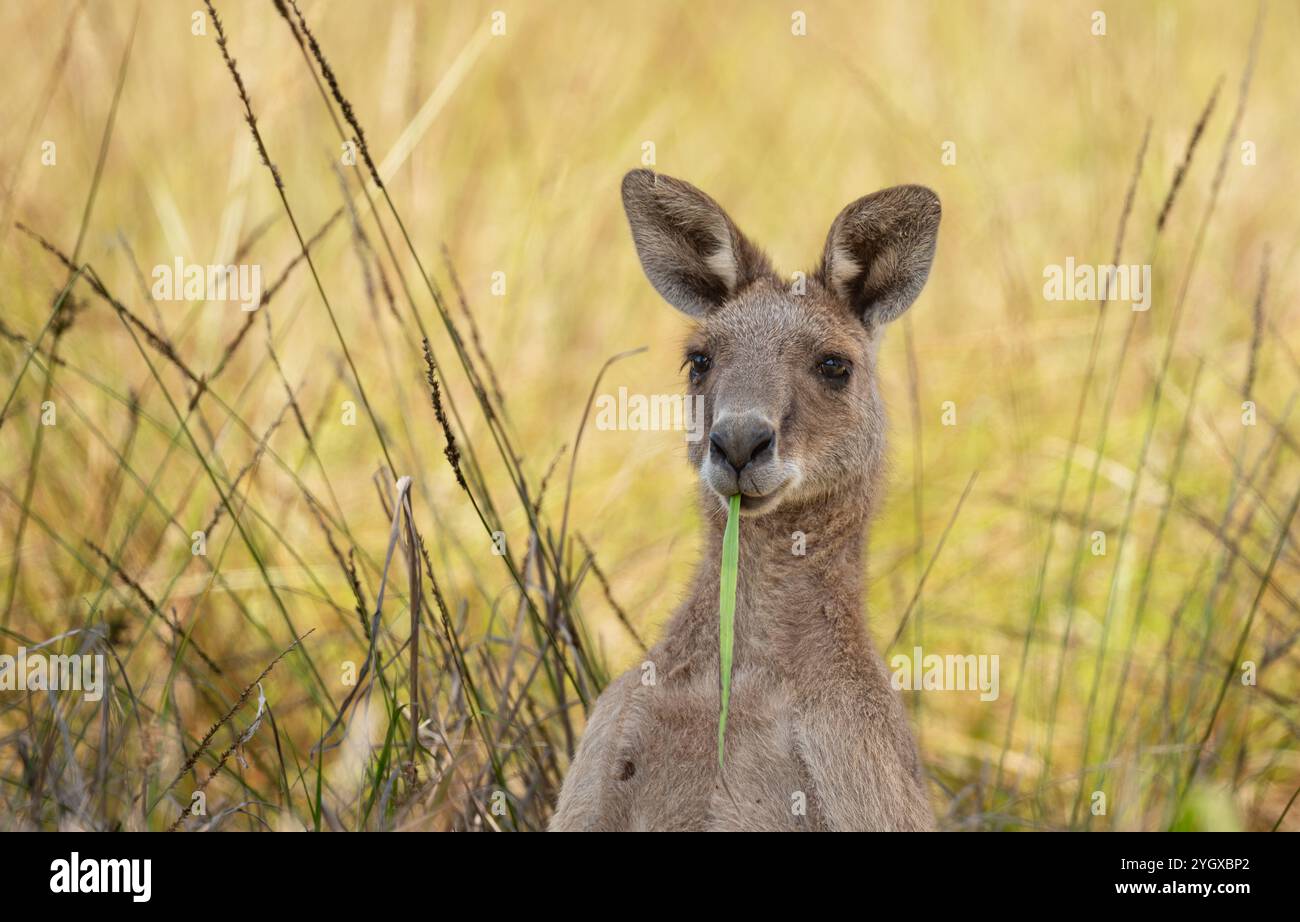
[(501, 155)]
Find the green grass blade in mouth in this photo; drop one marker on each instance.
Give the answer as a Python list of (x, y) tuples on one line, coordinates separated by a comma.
[(727, 611)]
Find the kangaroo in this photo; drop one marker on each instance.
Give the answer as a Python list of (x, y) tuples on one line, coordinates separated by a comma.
[(817, 739)]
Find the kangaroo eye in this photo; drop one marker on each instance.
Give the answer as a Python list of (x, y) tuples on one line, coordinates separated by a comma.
[(700, 363), (836, 369)]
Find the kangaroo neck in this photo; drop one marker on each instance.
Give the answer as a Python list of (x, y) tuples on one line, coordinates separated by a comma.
[(800, 573)]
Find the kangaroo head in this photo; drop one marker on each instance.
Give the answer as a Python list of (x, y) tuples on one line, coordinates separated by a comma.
[(786, 370)]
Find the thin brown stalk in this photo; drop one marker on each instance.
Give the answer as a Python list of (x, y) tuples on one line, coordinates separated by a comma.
[(450, 452), (609, 593), (1257, 328), (1181, 172), (212, 731)]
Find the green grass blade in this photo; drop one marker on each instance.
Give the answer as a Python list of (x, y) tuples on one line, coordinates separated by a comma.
[(727, 611)]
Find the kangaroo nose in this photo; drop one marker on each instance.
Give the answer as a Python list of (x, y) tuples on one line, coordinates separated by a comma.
[(740, 440)]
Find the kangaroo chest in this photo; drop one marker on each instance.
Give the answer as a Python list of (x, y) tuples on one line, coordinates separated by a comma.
[(667, 773)]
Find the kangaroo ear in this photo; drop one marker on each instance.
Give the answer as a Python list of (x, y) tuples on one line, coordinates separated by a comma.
[(879, 250), (690, 250)]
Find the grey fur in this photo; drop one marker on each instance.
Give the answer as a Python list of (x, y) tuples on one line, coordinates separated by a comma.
[(814, 721)]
